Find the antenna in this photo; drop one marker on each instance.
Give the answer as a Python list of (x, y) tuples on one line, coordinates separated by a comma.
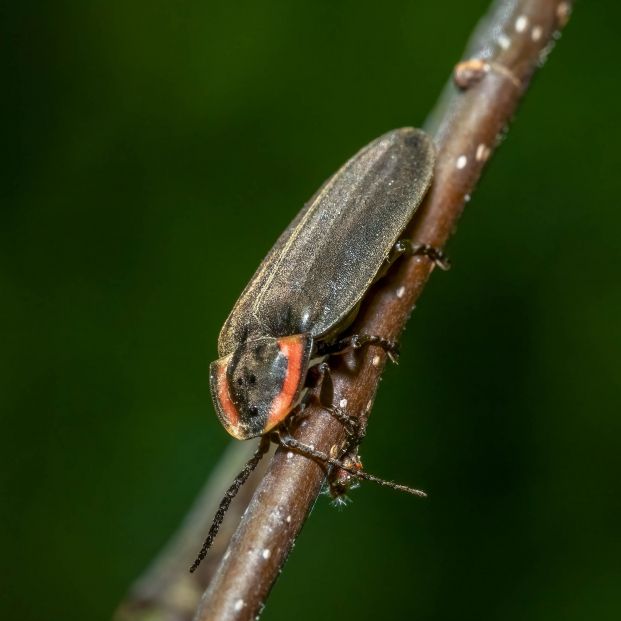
[(352, 466)]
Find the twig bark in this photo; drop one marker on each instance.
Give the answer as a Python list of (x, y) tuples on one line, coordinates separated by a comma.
[(468, 122)]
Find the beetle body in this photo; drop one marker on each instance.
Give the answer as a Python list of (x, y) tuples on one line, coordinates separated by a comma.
[(308, 288)]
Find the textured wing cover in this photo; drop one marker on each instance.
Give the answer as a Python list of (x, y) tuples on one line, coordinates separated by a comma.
[(323, 263)]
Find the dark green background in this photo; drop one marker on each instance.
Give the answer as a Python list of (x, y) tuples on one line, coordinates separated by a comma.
[(152, 153)]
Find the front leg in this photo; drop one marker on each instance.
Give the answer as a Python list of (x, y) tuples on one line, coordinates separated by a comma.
[(316, 378)]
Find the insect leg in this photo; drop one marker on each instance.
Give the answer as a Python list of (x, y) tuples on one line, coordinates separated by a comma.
[(357, 341), (317, 374), (312, 453), (240, 479), (352, 425), (318, 377), (339, 481), (409, 248)]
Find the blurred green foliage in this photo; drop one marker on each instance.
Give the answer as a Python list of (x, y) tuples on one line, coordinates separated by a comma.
[(153, 151)]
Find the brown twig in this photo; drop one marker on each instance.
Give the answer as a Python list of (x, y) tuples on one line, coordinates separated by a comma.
[(507, 47), (467, 124)]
